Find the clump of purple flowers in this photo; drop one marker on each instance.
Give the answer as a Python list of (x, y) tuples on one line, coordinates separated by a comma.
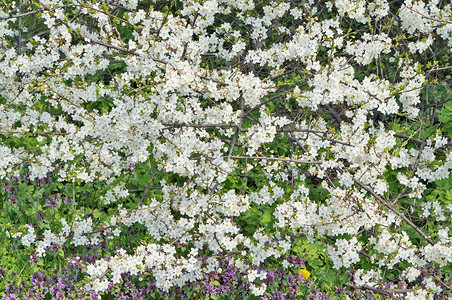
[(225, 283), (11, 186), (52, 200)]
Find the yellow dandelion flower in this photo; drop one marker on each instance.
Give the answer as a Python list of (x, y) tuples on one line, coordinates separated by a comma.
[(305, 273)]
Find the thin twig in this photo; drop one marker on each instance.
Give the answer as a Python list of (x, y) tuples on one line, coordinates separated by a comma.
[(20, 15), (386, 292), (411, 139), (147, 188), (394, 210), (277, 159)]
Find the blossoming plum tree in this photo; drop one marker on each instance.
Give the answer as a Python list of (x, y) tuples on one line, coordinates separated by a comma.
[(316, 114)]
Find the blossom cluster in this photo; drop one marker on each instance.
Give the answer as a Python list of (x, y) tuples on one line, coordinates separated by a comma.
[(233, 108)]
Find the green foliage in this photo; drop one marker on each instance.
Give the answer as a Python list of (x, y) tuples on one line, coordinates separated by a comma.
[(319, 265), (256, 217), (445, 117)]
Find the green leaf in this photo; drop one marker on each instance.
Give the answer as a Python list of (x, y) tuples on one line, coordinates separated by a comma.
[(97, 213)]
